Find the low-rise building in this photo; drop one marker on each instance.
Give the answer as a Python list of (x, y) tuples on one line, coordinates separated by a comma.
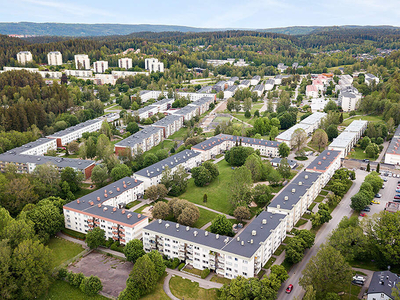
[(392, 155), (220, 86), (152, 175), (54, 58), (295, 198), (73, 133), (259, 89), (205, 89), (381, 285), (255, 80), (369, 78), (326, 164), (269, 84), (101, 79), (24, 57), (229, 257), (170, 124), (79, 73), (244, 84), (281, 67), (232, 80), (144, 139), (100, 66), (104, 209), (345, 80), (311, 91), (123, 74), (230, 91), (275, 162), (50, 74)]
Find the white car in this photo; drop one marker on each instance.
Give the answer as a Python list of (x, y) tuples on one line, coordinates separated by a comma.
[(358, 278)]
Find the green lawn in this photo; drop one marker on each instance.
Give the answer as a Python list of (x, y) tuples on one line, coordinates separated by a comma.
[(185, 289), (217, 191), (366, 118), (221, 280), (179, 135), (300, 222), (63, 250), (275, 189), (205, 217), (255, 107), (279, 250), (73, 233), (323, 193), (83, 192), (368, 265), (221, 119), (158, 293), (359, 153), (312, 206), (63, 290), (132, 204), (269, 263), (166, 144), (193, 271), (319, 199)]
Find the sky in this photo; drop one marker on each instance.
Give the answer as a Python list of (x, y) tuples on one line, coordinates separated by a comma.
[(255, 14)]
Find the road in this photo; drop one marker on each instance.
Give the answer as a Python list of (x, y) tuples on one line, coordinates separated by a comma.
[(342, 210)]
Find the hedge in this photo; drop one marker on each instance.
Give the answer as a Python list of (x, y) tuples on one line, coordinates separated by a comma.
[(181, 266), (205, 273)]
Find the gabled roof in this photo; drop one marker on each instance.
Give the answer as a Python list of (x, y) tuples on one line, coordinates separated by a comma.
[(383, 282), (324, 160), (74, 128), (138, 137)]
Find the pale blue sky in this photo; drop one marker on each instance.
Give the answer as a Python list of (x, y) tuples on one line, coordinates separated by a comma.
[(206, 13)]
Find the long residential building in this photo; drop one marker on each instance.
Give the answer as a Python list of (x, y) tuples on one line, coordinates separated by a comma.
[(152, 175), (392, 155), (222, 142), (170, 124), (188, 112), (326, 164), (243, 255), (349, 137), (100, 66), (72, 133), (203, 104), (125, 63), (104, 208), (309, 125), (144, 140)]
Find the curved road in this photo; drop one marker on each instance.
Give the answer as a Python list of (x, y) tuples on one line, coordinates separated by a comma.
[(342, 210)]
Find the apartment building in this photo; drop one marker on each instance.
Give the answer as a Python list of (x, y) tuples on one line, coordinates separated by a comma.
[(346, 80), (104, 208), (326, 164), (164, 104), (170, 124), (295, 198), (244, 84), (259, 89), (73, 133), (205, 89), (349, 98), (349, 137), (196, 96), (281, 67), (311, 91), (54, 58), (144, 140), (101, 79), (39, 147), (230, 91), (392, 155), (232, 81), (188, 112), (153, 65), (50, 74), (369, 78), (152, 175), (203, 104), (24, 57), (243, 255), (125, 63), (269, 84), (147, 95), (220, 86), (100, 66), (146, 112), (222, 142), (123, 74), (381, 285), (309, 125), (79, 73), (82, 62), (255, 80)]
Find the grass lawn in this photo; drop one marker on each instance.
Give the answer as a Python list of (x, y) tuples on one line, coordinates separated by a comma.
[(319, 199), (185, 289), (221, 119), (255, 107), (366, 118), (312, 206), (351, 292), (269, 263), (217, 191), (63, 290), (140, 209), (221, 280), (275, 189), (166, 144), (279, 250), (73, 233), (368, 265), (205, 217), (359, 153), (323, 193), (132, 204), (83, 192), (193, 271), (300, 222), (306, 216), (63, 250), (179, 135)]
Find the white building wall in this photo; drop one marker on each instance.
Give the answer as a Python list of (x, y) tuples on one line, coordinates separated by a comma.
[(24, 57), (100, 66), (82, 62), (54, 58), (125, 63)]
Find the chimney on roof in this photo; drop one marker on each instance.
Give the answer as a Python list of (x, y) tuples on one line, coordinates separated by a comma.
[(114, 209), (206, 233), (217, 236), (242, 243), (130, 215), (117, 189), (159, 221), (251, 241), (286, 198), (105, 191), (77, 201), (123, 211), (329, 153), (278, 206), (319, 162), (264, 221), (139, 216), (177, 225), (91, 202), (306, 177), (99, 205), (195, 233), (105, 195), (135, 180), (293, 191), (324, 157), (253, 232), (125, 186)]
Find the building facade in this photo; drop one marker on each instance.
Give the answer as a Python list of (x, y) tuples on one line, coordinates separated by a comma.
[(54, 58), (24, 57), (125, 63), (100, 66), (153, 65), (82, 62)]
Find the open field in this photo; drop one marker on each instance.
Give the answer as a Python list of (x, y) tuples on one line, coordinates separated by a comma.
[(185, 289), (63, 290), (158, 293), (63, 250), (366, 118)]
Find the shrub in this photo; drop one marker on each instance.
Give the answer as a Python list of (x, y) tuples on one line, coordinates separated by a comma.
[(91, 285), (76, 279), (62, 273), (205, 273), (175, 263), (181, 266)]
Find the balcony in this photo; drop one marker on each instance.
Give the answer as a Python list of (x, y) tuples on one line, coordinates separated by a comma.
[(115, 238), (122, 235), (160, 246), (121, 229), (114, 228), (115, 232), (97, 222), (220, 271), (90, 220), (90, 225)]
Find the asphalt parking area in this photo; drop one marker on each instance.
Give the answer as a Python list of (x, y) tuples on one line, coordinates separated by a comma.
[(112, 272)]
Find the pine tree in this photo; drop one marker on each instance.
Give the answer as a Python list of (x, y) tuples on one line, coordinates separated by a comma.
[(368, 167), (378, 167), (341, 118)]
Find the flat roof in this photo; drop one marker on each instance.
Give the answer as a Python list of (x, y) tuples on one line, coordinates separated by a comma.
[(259, 87), (185, 110), (293, 192), (138, 137), (356, 126), (162, 101), (314, 118), (167, 120), (201, 101), (172, 161), (343, 140), (231, 88), (287, 135), (277, 160), (324, 160), (31, 145), (75, 128), (270, 81)]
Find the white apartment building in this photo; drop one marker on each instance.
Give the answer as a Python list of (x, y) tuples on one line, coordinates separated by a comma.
[(188, 112), (104, 208), (101, 79), (100, 66), (230, 91), (79, 73), (345, 80), (54, 58), (164, 104), (269, 84), (50, 74), (196, 96), (369, 78), (223, 142), (153, 65), (38, 147), (203, 104), (125, 63), (349, 137), (311, 91), (259, 89), (152, 175), (295, 198), (255, 80), (24, 57), (243, 255), (82, 62), (123, 74), (145, 140), (381, 285), (73, 133), (244, 84), (146, 112), (146, 95), (349, 98), (392, 155), (326, 164), (170, 124)]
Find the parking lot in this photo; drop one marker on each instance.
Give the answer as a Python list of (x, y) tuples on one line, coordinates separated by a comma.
[(387, 195)]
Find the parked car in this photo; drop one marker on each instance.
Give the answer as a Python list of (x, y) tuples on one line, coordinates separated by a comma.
[(363, 215), (397, 197), (375, 202), (383, 186), (358, 282), (367, 209), (289, 289), (398, 182), (358, 277), (396, 200), (385, 179), (397, 190), (378, 195), (366, 160)]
